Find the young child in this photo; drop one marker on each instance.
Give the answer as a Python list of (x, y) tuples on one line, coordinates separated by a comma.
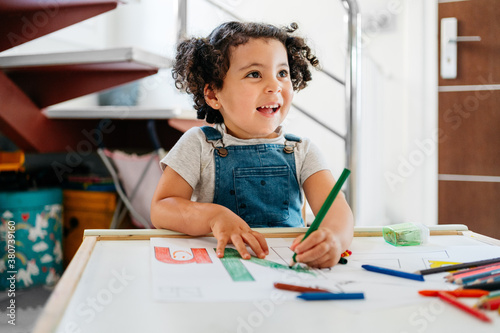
[(245, 172)]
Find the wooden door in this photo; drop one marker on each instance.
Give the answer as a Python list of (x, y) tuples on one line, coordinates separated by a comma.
[(469, 121)]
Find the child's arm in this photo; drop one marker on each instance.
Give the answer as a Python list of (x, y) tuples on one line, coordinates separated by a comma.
[(171, 208), (324, 246)]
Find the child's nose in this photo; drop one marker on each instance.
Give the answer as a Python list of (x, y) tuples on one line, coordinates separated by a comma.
[(273, 86)]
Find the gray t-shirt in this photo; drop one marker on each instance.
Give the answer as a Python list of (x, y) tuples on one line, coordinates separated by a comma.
[(192, 158)]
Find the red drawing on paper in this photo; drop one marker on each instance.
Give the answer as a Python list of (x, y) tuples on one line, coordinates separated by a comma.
[(199, 256)]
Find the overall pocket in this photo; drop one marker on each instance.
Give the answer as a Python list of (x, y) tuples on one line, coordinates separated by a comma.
[(262, 194)]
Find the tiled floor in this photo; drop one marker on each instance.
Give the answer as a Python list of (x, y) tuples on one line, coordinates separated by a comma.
[(29, 304)]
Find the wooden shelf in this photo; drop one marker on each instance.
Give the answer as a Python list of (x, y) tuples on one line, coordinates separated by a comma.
[(57, 77), (25, 20)]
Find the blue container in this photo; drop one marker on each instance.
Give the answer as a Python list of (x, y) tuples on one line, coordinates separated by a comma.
[(31, 235)]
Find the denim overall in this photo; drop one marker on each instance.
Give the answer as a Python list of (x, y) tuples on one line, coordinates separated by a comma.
[(258, 182)]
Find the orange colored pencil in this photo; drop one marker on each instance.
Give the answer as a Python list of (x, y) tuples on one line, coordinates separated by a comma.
[(445, 296)]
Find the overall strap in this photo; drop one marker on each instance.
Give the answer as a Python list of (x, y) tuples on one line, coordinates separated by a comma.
[(289, 148), (211, 133), (292, 137)]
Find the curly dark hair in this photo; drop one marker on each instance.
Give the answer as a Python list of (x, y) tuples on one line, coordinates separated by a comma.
[(202, 61)]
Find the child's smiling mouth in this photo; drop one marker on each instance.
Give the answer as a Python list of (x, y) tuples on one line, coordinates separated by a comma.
[(269, 109)]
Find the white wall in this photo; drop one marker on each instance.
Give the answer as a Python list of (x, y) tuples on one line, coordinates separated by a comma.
[(405, 55)]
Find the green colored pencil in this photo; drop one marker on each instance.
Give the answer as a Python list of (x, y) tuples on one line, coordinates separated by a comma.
[(326, 206)]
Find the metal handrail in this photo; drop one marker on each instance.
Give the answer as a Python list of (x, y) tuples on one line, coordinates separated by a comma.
[(352, 96), (319, 122)]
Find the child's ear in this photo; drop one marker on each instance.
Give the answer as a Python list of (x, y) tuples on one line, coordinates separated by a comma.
[(211, 97)]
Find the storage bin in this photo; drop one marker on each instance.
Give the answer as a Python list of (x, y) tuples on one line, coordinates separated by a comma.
[(31, 234), (84, 210), (11, 161)]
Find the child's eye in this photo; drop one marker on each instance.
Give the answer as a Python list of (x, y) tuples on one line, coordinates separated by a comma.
[(254, 75), (283, 73)]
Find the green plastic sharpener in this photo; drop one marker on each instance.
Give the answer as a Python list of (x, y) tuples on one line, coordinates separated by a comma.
[(406, 234)]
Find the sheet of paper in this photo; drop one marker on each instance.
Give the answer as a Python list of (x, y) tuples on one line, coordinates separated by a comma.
[(187, 270)]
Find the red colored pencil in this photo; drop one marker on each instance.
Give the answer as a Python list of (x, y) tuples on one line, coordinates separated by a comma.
[(453, 301), (456, 293), (491, 304), (488, 302)]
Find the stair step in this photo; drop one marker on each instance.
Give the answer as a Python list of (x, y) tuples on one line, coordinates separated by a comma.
[(25, 20), (53, 78), (118, 112)]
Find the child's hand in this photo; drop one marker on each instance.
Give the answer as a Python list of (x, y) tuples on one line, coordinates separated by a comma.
[(321, 249), (230, 228)]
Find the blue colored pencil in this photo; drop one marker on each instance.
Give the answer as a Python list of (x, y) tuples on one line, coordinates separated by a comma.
[(492, 278), (472, 278), (490, 286), (393, 272), (330, 296)]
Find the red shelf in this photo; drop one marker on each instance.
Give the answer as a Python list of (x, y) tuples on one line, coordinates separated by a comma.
[(29, 129), (25, 20)]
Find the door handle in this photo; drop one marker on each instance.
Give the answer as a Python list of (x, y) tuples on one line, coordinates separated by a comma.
[(449, 40), (465, 39)]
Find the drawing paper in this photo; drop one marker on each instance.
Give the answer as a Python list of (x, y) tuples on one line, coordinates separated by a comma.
[(188, 270)]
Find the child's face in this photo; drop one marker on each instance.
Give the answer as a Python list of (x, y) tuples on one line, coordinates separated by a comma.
[(257, 91)]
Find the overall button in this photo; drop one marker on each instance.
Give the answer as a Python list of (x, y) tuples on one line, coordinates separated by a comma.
[(243, 205), (232, 192), (262, 182)]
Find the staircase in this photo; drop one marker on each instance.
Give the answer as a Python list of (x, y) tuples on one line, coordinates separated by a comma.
[(31, 83)]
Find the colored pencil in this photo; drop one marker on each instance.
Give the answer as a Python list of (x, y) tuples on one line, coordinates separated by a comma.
[(456, 293), (330, 296), (472, 270), (482, 300), (475, 277), (291, 287), (453, 301), (491, 286), (490, 304), (393, 272), (490, 278), (324, 208), (458, 266)]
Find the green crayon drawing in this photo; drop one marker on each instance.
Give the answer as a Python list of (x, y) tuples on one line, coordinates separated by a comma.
[(235, 267), (233, 264)]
